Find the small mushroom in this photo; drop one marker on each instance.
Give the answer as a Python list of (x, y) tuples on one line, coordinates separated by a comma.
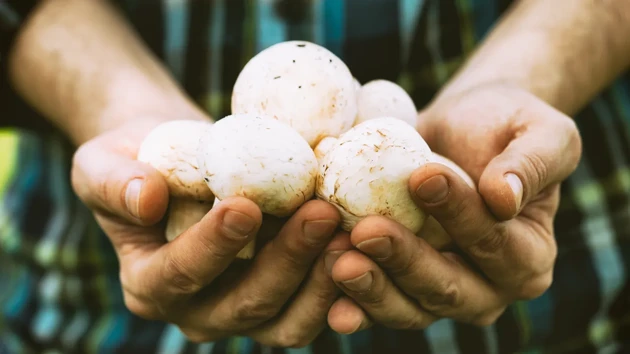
[(261, 159), (171, 148), (301, 84), (323, 147), (367, 170), (357, 84), (382, 98)]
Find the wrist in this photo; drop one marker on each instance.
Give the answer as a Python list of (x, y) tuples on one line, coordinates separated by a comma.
[(563, 52), (505, 63), (454, 90), (142, 112)]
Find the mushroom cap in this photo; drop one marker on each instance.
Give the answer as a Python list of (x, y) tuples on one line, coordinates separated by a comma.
[(357, 84), (435, 157), (323, 147), (301, 84), (382, 98), (261, 159), (367, 172), (171, 148)]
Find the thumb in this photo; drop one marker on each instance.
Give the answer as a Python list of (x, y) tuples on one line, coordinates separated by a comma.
[(114, 183), (543, 155)]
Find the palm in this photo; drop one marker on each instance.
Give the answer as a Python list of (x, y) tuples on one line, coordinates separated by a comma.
[(472, 131), (517, 149)]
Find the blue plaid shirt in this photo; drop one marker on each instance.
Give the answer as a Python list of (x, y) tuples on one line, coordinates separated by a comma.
[(59, 287)]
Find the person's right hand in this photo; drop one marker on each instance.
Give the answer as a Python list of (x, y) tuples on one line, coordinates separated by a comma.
[(280, 299)]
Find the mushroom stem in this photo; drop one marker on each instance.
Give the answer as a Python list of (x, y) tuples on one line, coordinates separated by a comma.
[(184, 213), (248, 251)]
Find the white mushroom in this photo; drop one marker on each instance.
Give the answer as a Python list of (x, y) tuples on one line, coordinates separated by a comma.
[(171, 148), (323, 147), (260, 159), (367, 170), (382, 98), (183, 213), (301, 84), (357, 84)]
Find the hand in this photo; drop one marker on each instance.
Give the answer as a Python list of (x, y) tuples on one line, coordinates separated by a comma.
[(280, 299), (517, 149)]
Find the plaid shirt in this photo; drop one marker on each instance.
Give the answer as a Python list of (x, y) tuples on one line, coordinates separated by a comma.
[(59, 287)]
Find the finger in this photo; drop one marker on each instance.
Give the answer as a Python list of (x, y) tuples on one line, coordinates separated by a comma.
[(179, 269), (542, 154), (305, 317), (509, 254), (279, 269), (444, 286), (362, 280), (115, 184), (347, 317)]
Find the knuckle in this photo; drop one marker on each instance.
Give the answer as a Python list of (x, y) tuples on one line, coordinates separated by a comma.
[(534, 287), (314, 243), (373, 297), (218, 249), (491, 244), (325, 296), (75, 171), (567, 124), (405, 266), (140, 308), (301, 249), (487, 319), (292, 337), (417, 322), (454, 209), (293, 257), (537, 169), (574, 141), (253, 310), (198, 336), (444, 299), (101, 194), (177, 277)]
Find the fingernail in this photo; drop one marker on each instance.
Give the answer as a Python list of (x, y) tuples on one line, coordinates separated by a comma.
[(238, 225), (316, 231), (433, 190), (132, 196), (330, 258), (517, 188), (359, 284), (379, 248)]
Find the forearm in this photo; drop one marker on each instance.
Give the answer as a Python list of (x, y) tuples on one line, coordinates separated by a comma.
[(81, 66), (563, 51)]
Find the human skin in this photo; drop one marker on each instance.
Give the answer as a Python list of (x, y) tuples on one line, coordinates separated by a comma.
[(505, 119), (99, 84)]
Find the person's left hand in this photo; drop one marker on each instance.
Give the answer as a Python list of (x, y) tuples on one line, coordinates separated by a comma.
[(517, 149)]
